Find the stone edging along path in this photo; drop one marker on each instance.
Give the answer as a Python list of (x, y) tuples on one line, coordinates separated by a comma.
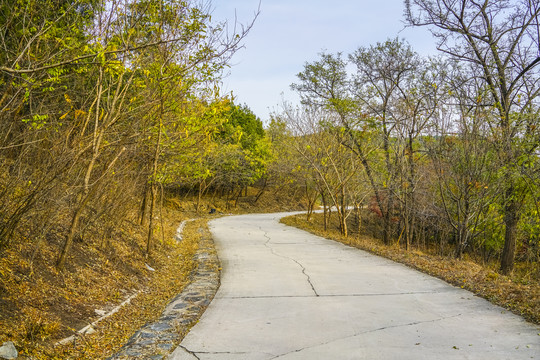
[(158, 339)]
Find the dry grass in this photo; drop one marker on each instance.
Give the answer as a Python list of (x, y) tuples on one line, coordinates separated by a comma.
[(40, 306), (519, 293)]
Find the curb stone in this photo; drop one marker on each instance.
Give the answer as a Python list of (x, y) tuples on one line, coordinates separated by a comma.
[(158, 339)]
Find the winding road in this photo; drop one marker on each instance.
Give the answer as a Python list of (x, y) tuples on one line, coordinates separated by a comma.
[(286, 294)]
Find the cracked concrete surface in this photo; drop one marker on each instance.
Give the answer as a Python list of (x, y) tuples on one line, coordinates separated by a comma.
[(286, 294), (272, 250)]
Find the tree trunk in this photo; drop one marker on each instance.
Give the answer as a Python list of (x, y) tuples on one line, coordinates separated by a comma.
[(343, 218), (461, 243), (386, 226), (237, 197), (411, 201), (154, 181), (309, 212), (311, 206), (343, 223), (259, 194), (61, 263), (325, 212), (199, 195), (151, 220), (374, 187), (161, 199), (357, 209), (406, 229), (511, 220), (144, 205), (87, 194)]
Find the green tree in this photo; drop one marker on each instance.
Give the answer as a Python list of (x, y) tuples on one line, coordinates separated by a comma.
[(244, 152)]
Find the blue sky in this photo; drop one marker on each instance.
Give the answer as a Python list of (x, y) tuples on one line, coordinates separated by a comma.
[(289, 33)]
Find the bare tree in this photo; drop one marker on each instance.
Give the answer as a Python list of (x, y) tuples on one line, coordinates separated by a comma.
[(334, 166), (463, 161)]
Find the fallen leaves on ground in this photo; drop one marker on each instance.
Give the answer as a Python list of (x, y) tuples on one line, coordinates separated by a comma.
[(41, 306)]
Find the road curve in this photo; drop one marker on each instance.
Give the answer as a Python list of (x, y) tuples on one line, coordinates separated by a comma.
[(286, 294)]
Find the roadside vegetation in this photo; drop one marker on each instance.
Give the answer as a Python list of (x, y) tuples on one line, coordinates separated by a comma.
[(43, 306)]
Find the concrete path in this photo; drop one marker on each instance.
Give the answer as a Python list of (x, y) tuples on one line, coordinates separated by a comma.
[(286, 294)]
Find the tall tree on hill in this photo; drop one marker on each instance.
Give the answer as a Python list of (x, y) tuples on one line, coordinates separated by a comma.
[(398, 90)]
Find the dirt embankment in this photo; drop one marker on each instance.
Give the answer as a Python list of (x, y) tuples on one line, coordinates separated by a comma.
[(40, 306)]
